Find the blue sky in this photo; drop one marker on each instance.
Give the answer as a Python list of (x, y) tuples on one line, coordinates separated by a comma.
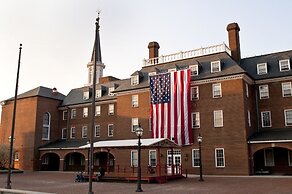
[(58, 35)]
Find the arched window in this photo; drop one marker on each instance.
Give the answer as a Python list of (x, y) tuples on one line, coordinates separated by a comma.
[(46, 126)]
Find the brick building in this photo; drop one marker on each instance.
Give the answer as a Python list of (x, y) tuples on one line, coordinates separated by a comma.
[(241, 107)]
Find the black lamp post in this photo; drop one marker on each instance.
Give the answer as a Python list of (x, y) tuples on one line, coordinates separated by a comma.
[(139, 133), (200, 140), (88, 156)]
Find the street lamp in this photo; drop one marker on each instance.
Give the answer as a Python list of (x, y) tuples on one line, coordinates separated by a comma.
[(200, 140), (139, 133)]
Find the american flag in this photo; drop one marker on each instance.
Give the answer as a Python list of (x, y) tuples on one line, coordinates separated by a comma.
[(170, 106)]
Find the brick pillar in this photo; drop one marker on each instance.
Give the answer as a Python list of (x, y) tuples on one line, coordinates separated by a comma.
[(153, 49), (61, 165), (234, 43)]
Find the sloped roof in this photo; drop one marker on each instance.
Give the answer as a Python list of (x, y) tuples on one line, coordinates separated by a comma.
[(41, 91), (272, 135), (64, 144), (272, 60)]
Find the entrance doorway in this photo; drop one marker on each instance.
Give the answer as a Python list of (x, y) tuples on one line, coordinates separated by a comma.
[(74, 162), (104, 160), (176, 158), (50, 162)]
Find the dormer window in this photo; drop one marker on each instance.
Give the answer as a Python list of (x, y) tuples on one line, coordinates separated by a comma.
[(215, 66), (110, 91), (86, 95), (262, 68), (194, 70), (151, 73), (98, 93), (134, 80), (171, 70), (284, 65)]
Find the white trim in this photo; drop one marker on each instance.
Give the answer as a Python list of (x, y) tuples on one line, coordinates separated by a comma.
[(64, 129), (134, 80), (289, 157), (135, 100), (83, 133), (132, 153), (149, 159), (290, 88), (247, 90), (195, 118), (193, 165), (213, 63), (221, 124), (72, 111), (194, 70), (85, 112), (270, 118), (270, 141), (71, 132), (220, 90), (248, 118), (99, 108), (262, 90), (280, 65), (285, 116), (264, 67), (216, 158), (108, 126), (134, 122), (95, 131), (48, 126), (111, 109), (193, 94), (279, 79), (65, 111)]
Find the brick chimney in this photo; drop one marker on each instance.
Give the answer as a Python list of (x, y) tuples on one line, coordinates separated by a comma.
[(153, 49), (234, 44)]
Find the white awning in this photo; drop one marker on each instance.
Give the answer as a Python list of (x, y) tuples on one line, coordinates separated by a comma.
[(158, 142)]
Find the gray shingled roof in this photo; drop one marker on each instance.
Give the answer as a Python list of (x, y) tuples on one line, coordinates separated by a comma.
[(41, 91), (272, 60), (272, 135), (64, 144)]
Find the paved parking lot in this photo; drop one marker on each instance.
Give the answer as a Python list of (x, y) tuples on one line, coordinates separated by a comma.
[(63, 183)]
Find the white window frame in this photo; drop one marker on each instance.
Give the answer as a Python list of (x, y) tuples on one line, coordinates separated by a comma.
[(110, 132), (64, 133), (97, 131), (248, 118), (286, 119), (110, 91), (264, 91), (194, 70), (270, 163), (73, 113), (196, 118), (286, 86), (97, 110), (111, 109), (98, 93), (195, 156), (290, 157), (84, 132), (247, 90), (16, 156), (218, 118), (194, 93), (155, 158), (65, 115), (217, 158), (134, 80), (282, 66), (85, 95), (135, 100), (215, 66), (85, 112), (262, 68), (270, 118), (134, 124), (47, 127), (72, 131), (134, 158), (216, 88)]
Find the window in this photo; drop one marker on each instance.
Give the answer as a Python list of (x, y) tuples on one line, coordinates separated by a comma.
[(98, 93), (248, 118), (85, 112), (72, 132), (16, 156), (171, 70), (217, 93), (111, 109), (246, 90), (195, 120), (65, 115), (269, 157), (97, 110), (110, 130), (134, 158), (215, 66), (135, 124), (134, 80), (288, 117), (110, 91), (262, 68), (64, 133), (151, 73), (264, 91), (266, 119), (97, 131), (152, 158), (84, 132), (290, 157), (284, 65), (194, 93), (194, 70), (219, 157), (73, 113), (135, 101), (218, 118), (286, 89), (86, 95), (46, 126), (196, 157)]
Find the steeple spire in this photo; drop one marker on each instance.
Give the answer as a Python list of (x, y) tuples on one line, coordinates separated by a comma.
[(96, 53)]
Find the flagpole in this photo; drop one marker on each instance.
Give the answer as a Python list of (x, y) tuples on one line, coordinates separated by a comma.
[(13, 124)]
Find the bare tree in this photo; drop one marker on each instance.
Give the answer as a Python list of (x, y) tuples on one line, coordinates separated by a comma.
[(4, 155)]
